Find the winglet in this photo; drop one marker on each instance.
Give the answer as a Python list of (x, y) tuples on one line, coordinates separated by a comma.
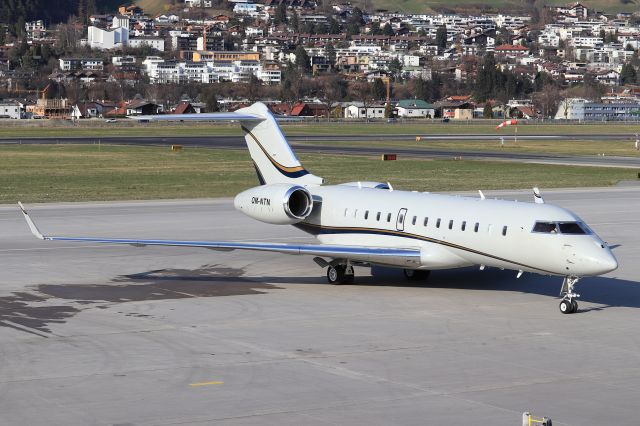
[(537, 197), (32, 226)]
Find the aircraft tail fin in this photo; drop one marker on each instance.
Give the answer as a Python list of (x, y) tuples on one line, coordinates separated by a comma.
[(273, 158)]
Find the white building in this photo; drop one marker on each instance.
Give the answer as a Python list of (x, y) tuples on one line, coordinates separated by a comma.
[(123, 60), (10, 109), (70, 64), (120, 21), (153, 42), (359, 110), (107, 39), (161, 72), (198, 3)]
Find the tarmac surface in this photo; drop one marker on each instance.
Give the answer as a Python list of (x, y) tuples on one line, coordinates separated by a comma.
[(312, 144), (113, 335)]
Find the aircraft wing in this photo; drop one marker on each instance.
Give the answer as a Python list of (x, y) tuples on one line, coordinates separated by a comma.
[(379, 255)]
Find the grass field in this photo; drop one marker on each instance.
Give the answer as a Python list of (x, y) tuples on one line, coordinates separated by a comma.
[(622, 147), (85, 173), (27, 129)]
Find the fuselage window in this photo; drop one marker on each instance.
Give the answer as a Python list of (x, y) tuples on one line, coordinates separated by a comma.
[(464, 225), (401, 219), (545, 227), (413, 222), (476, 227), (388, 217), (504, 231), (426, 221), (355, 213), (438, 223), (346, 212), (450, 224), (378, 216), (366, 215)]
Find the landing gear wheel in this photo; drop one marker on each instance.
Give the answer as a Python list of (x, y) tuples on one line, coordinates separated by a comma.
[(340, 274), (334, 274), (416, 274), (569, 303), (566, 307), (574, 306)]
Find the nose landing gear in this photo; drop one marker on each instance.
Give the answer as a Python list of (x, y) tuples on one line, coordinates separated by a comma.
[(569, 304)]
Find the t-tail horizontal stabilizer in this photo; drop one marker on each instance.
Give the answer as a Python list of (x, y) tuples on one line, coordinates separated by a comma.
[(275, 160)]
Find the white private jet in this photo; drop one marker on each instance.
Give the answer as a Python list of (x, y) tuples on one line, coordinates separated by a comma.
[(370, 223)]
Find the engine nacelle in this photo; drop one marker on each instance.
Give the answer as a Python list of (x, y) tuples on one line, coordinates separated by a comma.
[(279, 203)]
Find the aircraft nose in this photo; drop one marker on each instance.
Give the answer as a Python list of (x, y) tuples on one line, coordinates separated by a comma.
[(605, 262)]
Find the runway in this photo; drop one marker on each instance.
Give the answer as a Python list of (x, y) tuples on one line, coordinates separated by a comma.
[(313, 144), (106, 335)]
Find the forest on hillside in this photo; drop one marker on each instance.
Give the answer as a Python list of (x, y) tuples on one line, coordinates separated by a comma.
[(14, 13)]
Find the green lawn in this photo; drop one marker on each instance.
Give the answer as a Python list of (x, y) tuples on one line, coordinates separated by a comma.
[(622, 147), (63, 129), (85, 172)]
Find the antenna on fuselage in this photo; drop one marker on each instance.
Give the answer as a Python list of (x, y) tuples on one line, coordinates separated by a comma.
[(481, 195)]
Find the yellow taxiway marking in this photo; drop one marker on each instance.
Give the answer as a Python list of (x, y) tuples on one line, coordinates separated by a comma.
[(195, 385)]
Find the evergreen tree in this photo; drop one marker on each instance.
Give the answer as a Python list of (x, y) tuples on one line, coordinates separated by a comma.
[(379, 90), (295, 22), (628, 74), (281, 15), (441, 37), (330, 52), (487, 112), (302, 59)]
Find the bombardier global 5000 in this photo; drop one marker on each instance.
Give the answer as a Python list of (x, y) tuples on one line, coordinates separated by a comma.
[(370, 223)]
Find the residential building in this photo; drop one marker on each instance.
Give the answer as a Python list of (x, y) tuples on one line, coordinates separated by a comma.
[(10, 109), (156, 43), (360, 110), (72, 64), (414, 108)]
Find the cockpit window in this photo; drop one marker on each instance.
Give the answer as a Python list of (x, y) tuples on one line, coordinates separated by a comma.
[(546, 227), (570, 228), (575, 228)]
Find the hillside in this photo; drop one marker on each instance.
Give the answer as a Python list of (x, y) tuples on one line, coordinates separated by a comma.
[(426, 6), (51, 11)]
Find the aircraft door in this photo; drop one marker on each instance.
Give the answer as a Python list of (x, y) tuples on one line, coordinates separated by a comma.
[(402, 216)]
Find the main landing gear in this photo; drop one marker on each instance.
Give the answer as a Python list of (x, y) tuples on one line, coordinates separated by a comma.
[(416, 274), (340, 274), (569, 303)]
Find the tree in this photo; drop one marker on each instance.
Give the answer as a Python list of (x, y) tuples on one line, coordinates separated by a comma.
[(281, 14), (210, 99), (302, 59), (441, 37), (395, 67), (295, 22), (388, 111), (331, 89), (628, 74), (330, 53), (487, 112), (334, 26), (378, 90)]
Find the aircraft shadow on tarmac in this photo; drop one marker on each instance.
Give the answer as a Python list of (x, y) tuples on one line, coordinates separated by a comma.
[(33, 311), (604, 291)]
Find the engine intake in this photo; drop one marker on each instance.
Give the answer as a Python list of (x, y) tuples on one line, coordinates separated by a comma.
[(279, 204)]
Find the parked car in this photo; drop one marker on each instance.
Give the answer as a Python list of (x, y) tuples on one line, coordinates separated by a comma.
[(110, 120)]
